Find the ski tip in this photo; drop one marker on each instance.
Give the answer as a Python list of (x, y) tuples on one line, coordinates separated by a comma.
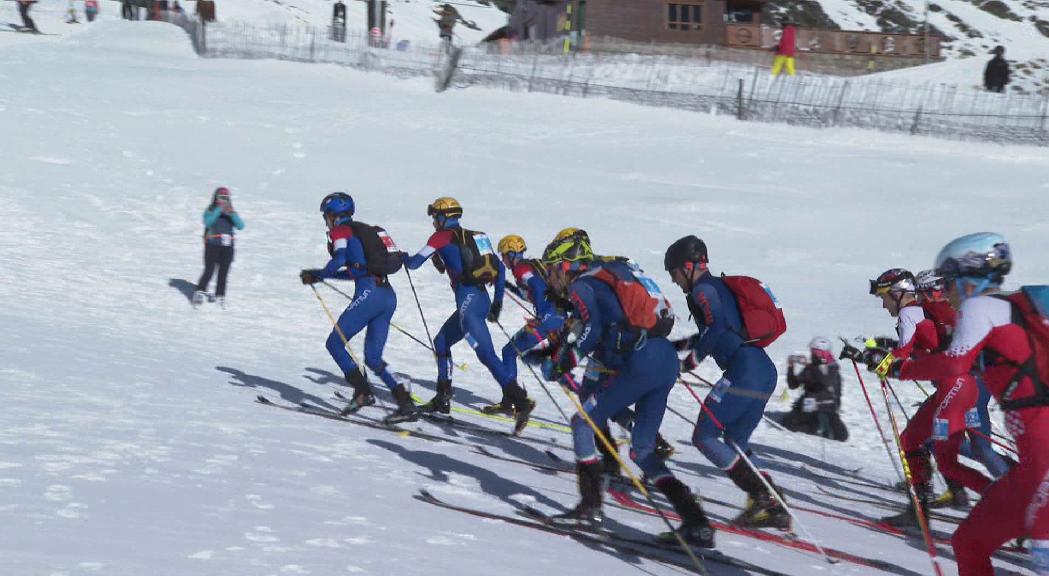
[(262, 399)]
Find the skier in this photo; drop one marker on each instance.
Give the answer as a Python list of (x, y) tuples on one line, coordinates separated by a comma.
[(816, 411), (996, 74), (925, 329), (91, 9), (220, 220), (23, 11), (737, 401), (470, 261), (645, 372), (530, 285), (447, 18), (354, 257), (930, 289), (786, 50), (338, 22), (995, 334)]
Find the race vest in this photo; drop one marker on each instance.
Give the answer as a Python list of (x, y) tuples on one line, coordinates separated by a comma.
[(1031, 312), (763, 320), (645, 307), (380, 252), (480, 262)]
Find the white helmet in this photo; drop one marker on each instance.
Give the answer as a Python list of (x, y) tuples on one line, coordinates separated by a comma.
[(821, 343)]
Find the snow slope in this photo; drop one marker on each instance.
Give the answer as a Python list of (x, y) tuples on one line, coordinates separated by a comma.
[(130, 441)]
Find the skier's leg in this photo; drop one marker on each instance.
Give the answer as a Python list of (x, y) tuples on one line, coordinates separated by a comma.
[(955, 399), (225, 260), (998, 517), (351, 321), (378, 332), (449, 334), (473, 313), (210, 264)]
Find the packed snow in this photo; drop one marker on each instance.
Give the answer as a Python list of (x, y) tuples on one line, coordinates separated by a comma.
[(130, 440)]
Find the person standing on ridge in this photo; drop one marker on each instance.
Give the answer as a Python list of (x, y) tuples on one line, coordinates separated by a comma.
[(786, 50)]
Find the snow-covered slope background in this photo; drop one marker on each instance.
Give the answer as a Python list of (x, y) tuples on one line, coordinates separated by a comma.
[(130, 441)]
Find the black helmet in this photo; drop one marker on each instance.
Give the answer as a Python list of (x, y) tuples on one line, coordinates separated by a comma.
[(685, 250), (893, 281)]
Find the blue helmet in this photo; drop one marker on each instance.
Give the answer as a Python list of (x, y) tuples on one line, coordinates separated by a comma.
[(984, 257), (338, 203)]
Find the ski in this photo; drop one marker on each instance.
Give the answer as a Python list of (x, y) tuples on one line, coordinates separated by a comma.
[(624, 500), (651, 550), (360, 420), (478, 429), (532, 423)]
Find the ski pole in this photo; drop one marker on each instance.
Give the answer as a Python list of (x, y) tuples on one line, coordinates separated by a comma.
[(991, 440), (898, 403), (874, 416), (338, 329), (519, 303), (426, 326), (919, 511), (532, 370), (764, 480), (462, 365), (756, 395), (630, 473)]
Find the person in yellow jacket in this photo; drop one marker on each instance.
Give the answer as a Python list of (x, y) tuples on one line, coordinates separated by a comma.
[(786, 50)]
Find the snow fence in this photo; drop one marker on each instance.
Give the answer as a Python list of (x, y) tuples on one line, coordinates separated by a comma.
[(749, 93)]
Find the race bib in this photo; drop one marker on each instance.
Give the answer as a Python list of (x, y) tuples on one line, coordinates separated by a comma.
[(941, 429), (227, 240), (484, 245), (972, 418), (808, 405), (719, 390), (387, 242)]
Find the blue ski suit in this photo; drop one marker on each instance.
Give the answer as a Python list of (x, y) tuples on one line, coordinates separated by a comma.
[(547, 319), (472, 306), (644, 372), (738, 399), (372, 307)]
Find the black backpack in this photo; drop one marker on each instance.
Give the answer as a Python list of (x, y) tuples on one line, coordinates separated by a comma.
[(380, 252), (480, 264)]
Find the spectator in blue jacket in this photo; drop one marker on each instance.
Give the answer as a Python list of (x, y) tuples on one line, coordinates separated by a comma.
[(220, 221)]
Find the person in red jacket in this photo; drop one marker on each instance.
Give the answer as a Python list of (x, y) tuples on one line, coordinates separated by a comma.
[(923, 329), (786, 50), (988, 338)]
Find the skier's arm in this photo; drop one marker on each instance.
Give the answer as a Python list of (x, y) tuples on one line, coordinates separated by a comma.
[(237, 220), (586, 311), (211, 215), (438, 240), (711, 319), (500, 283), (970, 336), (793, 380)]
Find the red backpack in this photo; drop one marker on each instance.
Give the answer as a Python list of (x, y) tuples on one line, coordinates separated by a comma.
[(1031, 311), (763, 320), (643, 304)]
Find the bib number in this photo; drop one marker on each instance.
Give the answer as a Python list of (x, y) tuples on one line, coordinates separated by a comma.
[(808, 405), (719, 390), (941, 429)]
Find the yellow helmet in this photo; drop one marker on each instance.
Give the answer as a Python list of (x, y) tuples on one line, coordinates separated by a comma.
[(570, 231), (574, 248), (445, 206), (512, 243)]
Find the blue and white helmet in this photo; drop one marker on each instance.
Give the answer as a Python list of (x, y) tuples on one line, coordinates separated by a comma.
[(984, 257), (929, 281)]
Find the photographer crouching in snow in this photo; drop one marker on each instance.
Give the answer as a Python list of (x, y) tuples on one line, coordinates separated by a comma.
[(816, 411)]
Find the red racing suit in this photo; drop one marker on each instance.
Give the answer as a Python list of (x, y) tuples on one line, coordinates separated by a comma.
[(1018, 503)]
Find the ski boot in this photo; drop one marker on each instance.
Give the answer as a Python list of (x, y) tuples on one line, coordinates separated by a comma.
[(522, 405), (908, 519), (441, 403), (695, 528), (362, 393), (199, 297), (587, 514), (953, 497), (663, 448), (504, 407), (221, 301), (762, 510), (406, 409)]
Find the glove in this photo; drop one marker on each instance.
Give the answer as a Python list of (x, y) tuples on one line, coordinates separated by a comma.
[(881, 363), (689, 363), (560, 364), (883, 342), (850, 352), (309, 277), (494, 310)]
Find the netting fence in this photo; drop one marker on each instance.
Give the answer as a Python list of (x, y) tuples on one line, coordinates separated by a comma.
[(746, 92)]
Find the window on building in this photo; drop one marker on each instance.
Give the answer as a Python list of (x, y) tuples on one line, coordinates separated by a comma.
[(685, 17)]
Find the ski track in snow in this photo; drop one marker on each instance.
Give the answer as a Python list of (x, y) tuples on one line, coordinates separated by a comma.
[(130, 441)]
